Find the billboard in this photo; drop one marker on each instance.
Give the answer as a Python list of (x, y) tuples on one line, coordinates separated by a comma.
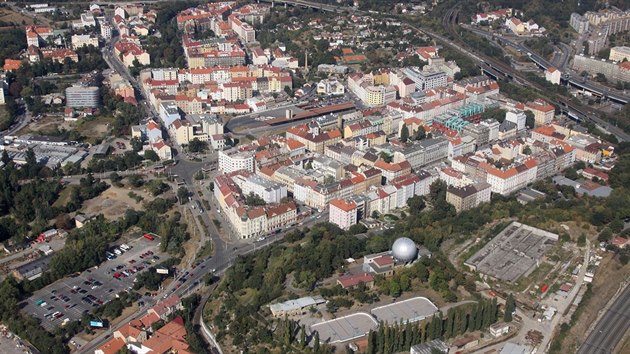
[(161, 271), (98, 324)]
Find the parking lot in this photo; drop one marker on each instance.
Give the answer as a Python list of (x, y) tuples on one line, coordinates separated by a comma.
[(72, 296)]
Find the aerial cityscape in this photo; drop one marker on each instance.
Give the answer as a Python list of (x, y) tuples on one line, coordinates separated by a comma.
[(315, 176)]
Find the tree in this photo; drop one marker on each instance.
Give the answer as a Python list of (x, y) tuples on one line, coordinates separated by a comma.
[(530, 122), (605, 235), (420, 134), (581, 241), (5, 157), (357, 229), (510, 307), (416, 204), (253, 199), (316, 342), (302, 336), (404, 134), (136, 144), (151, 156), (197, 145), (394, 288), (182, 195)]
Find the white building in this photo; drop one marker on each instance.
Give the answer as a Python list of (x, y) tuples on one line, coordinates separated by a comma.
[(270, 192), (330, 87), (553, 75), (106, 30), (426, 79), (619, 53), (517, 118), (168, 113), (83, 40), (343, 213), (233, 160)]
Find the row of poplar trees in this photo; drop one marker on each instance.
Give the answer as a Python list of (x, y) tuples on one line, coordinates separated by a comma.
[(458, 320)]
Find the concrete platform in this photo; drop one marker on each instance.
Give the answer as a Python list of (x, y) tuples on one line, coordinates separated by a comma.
[(410, 310), (345, 328)]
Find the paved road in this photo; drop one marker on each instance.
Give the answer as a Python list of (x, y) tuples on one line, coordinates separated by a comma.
[(611, 327)]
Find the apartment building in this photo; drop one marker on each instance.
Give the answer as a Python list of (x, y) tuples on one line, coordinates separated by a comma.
[(553, 75), (246, 221), (543, 111), (83, 97), (426, 79), (169, 113), (270, 192), (343, 213), (468, 197), (313, 137), (619, 53), (612, 70), (130, 52), (424, 152), (235, 159), (579, 23), (509, 180), (372, 95)]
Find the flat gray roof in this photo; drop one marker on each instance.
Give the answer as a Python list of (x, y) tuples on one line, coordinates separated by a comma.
[(345, 328), (410, 310)]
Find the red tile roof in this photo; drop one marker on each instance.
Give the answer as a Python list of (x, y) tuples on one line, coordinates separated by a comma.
[(349, 281), (343, 205)]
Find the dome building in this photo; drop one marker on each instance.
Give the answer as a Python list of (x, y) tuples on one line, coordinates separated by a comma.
[(404, 250)]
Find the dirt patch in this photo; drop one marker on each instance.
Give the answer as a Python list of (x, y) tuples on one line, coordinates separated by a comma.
[(112, 203), (94, 127), (91, 128), (46, 125), (603, 290), (8, 15)]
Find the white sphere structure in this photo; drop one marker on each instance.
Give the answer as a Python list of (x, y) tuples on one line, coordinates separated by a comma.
[(404, 250)]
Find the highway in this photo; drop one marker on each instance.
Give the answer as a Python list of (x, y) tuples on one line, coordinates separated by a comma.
[(573, 78), (611, 327)]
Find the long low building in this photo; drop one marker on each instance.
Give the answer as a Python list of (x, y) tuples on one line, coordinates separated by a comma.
[(295, 307)]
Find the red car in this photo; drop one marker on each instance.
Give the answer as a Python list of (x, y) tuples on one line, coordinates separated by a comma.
[(149, 237)]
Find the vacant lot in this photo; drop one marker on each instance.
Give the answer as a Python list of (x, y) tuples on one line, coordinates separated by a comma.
[(10, 16), (93, 127), (46, 125), (112, 203)]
